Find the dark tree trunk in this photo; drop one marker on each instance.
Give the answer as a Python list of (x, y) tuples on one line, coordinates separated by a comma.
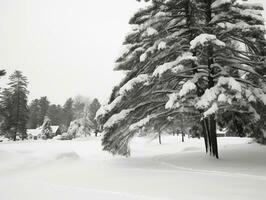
[(160, 139), (205, 135), (210, 122), (214, 136)]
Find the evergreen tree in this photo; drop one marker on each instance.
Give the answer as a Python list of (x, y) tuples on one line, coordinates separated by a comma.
[(68, 112), (2, 73), (157, 46), (6, 107), (79, 106), (46, 128), (34, 115), (228, 48), (44, 106), (92, 109), (86, 124), (55, 114), (14, 104), (192, 57)]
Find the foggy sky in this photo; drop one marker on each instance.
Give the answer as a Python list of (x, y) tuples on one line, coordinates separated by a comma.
[(65, 47)]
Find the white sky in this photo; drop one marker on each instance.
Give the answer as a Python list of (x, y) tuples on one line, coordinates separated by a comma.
[(65, 47)]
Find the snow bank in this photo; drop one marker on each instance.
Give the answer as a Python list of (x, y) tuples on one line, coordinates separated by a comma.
[(80, 170)]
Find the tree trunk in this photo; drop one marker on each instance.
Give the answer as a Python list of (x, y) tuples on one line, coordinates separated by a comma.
[(210, 122), (160, 139), (204, 132), (214, 136), (182, 129)]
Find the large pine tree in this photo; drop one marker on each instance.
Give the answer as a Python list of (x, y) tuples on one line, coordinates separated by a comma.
[(199, 58), (157, 45), (14, 104)]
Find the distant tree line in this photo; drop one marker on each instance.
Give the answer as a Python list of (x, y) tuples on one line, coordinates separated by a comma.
[(17, 115), (72, 109)]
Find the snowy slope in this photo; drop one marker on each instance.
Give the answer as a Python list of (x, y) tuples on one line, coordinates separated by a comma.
[(174, 170)]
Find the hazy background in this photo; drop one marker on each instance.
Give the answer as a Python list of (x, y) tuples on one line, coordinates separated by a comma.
[(65, 47)]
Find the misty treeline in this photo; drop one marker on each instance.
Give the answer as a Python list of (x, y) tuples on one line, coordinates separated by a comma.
[(17, 114), (194, 63)]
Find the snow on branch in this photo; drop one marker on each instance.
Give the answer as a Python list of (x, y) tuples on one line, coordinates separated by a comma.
[(116, 118), (231, 82), (127, 87), (213, 109), (243, 26), (151, 49), (172, 101), (249, 13), (176, 63), (204, 38), (150, 32), (260, 95), (219, 3), (106, 108), (162, 45), (186, 88), (208, 96), (254, 112), (222, 98), (141, 123), (212, 94), (257, 6), (130, 84)]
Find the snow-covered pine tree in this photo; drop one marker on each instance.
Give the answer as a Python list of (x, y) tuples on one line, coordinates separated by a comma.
[(92, 110), (6, 106), (229, 47), (186, 56), (47, 129), (156, 51)]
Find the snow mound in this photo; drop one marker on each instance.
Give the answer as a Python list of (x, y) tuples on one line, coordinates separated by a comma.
[(68, 155)]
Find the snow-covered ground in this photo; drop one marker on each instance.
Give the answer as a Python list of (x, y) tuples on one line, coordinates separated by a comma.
[(79, 169)]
